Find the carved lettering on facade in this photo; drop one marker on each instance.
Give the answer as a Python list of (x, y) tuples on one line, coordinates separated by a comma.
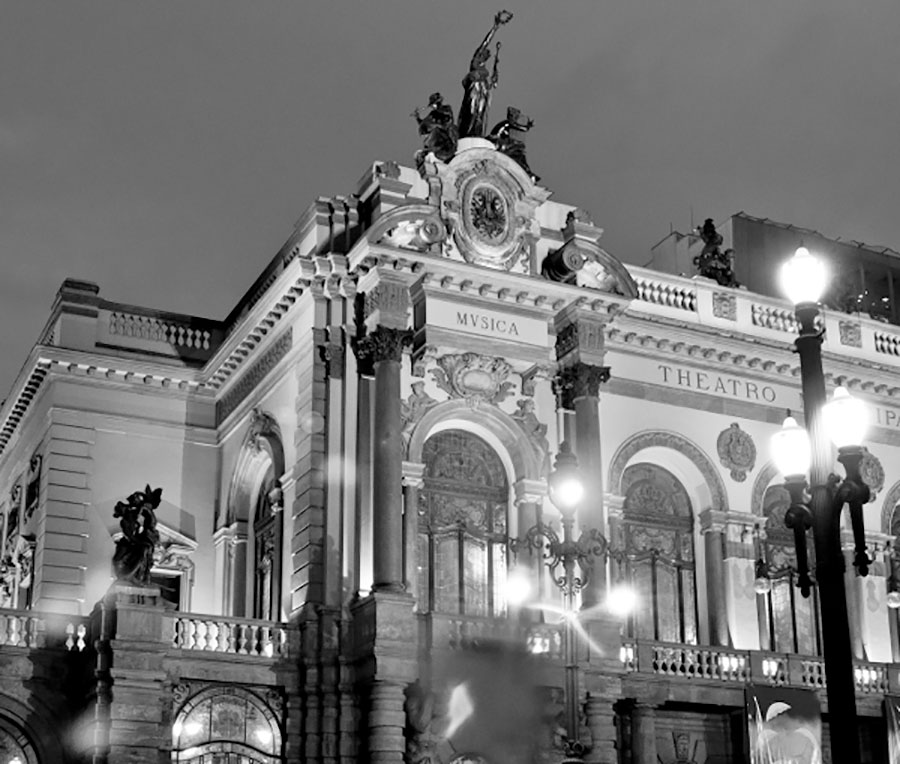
[(487, 323), (710, 382)]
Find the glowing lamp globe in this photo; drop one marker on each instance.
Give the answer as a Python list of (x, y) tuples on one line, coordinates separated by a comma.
[(790, 449), (893, 600), (621, 600), (565, 484), (804, 277), (845, 419), (518, 587)]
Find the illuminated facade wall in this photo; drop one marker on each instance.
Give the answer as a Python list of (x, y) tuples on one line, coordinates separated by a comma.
[(346, 457)]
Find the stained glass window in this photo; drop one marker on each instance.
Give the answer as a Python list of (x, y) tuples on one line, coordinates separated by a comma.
[(659, 554), (462, 526), (226, 726)]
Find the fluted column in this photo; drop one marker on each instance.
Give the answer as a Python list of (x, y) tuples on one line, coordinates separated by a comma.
[(386, 722), (643, 734), (383, 348)]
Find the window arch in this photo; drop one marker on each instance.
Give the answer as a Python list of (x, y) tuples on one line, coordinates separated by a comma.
[(462, 526), (790, 621), (267, 549), (658, 557), (226, 725), (15, 748)]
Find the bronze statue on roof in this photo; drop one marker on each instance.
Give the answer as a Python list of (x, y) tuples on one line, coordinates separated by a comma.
[(712, 262), (506, 136), (479, 82), (438, 128)]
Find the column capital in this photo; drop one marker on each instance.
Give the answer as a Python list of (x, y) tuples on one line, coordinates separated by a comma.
[(579, 380), (615, 505), (384, 343), (413, 474), (529, 491)]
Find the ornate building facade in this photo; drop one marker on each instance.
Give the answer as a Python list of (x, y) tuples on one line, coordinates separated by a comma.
[(346, 459)]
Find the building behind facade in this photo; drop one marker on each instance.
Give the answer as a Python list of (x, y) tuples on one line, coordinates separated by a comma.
[(345, 459)]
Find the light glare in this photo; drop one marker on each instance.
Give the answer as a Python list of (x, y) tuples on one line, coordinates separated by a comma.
[(804, 277), (790, 449), (621, 600), (518, 587), (845, 419)]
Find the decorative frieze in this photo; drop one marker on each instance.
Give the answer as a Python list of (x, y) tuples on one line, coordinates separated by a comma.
[(254, 375)]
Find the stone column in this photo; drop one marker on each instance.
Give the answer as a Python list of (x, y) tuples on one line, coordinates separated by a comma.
[(387, 720), (380, 350), (412, 481), (580, 351), (874, 614), (601, 721), (712, 527), (643, 734)]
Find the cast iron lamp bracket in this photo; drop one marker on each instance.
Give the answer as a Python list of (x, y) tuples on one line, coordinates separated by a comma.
[(557, 552)]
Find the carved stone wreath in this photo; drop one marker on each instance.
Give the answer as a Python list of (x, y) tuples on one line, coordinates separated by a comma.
[(737, 452), (872, 472)]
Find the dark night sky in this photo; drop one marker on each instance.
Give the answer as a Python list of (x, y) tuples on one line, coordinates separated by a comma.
[(165, 149)]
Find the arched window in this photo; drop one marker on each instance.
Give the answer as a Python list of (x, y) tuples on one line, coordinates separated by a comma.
[(659, 554), (462, 526), (226, 726), (267, 550), (790, 620), (15, 748)]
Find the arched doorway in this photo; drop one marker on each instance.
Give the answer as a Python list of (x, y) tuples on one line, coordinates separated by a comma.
[(226, 725)]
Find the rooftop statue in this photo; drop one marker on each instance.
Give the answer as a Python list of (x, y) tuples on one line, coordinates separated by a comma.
[(133, 558), (712, 263), (479, 82), (505, 136), (439, 130)]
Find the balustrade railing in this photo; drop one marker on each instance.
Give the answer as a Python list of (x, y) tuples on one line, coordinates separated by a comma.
[(462, 632), (691, 662), (30, 629), (236, 636)]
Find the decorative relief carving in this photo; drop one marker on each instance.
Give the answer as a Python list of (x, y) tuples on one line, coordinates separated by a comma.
[(254, 375), (487, 211), (851, 333), (725, 306), (262, 425), (737, 452), (579, 380), (473, 377), (532, 426), (415, 406), (383, 344), (663, 439), (388, 297), (872, 472)]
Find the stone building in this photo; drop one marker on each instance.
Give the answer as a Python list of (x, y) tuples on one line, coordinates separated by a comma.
[(345, 460)]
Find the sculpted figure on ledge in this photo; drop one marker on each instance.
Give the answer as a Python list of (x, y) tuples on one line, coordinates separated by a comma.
[(712, 263), (479, 83), (438, 128), (133, 558), (506, 137)]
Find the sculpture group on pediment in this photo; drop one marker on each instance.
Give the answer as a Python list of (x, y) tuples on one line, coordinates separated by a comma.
[(438, 128), (507, 137), (133, 558), (479, 82), (712, 262)]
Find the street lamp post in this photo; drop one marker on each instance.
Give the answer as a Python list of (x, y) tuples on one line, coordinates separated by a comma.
[(576, 558), (819, 503)]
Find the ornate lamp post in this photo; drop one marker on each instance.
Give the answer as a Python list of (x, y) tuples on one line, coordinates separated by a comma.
[(566, 491), (818, 504)]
